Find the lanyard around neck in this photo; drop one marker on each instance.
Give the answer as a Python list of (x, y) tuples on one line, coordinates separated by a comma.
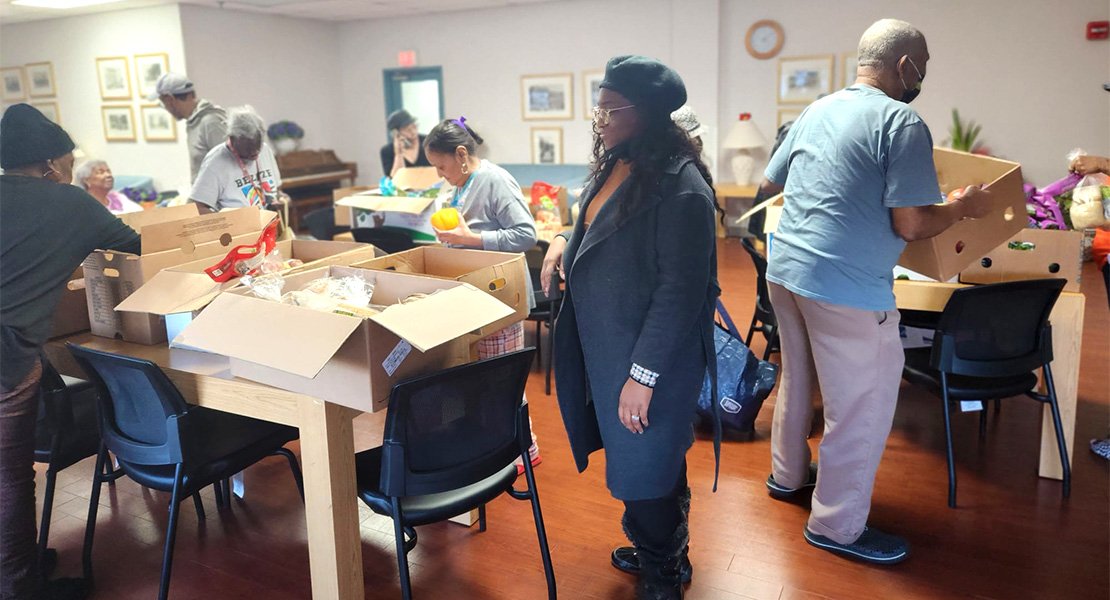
[(461, 193), (257, 193)]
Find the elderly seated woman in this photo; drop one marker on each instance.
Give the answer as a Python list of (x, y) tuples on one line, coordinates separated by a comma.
[(96, 178), (240, 172)]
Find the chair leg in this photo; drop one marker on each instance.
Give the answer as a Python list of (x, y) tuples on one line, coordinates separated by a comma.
[(199, 504), (218, 491), (550, 350), (1061, 443), (171, 534), (541, 531), (983, 421), (47, 509), (402, 551), (539, 348), (771, 341), (482, 518), (751, 332), (295, 467), (90, 524), (948, 443)]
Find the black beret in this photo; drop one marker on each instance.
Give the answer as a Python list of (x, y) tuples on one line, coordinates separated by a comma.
[(27, 137), (399, 119), (646, 82)]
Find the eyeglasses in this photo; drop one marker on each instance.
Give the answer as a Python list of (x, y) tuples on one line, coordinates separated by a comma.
[(602, 116)]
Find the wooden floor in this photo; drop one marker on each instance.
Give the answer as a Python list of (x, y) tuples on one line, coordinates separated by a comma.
[(1013, 536)]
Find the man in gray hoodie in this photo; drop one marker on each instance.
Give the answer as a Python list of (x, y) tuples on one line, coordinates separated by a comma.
[(205, 123)]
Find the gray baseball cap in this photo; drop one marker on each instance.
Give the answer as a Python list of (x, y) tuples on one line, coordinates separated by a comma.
[(171, 84)]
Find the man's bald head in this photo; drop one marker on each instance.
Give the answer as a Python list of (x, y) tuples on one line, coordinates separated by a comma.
[(888, 40)]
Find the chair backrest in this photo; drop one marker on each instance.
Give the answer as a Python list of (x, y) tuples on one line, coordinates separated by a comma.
[(763, 310), (455, 427), (996, 330), (389, 239), (534, 258), (140, 408)]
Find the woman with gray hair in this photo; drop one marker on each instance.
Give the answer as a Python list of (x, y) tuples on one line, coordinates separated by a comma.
[(240, 172), (96, 178)]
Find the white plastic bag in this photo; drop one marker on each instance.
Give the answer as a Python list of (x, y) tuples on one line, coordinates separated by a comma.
[(1090, 201)]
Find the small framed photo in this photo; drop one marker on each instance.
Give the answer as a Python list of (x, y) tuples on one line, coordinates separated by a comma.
[(547, 97), (114, 78), (547, 145), (49, 110), (849, 62), (591, 89), (40, 80), (787, 115), (802, 79), (158, 125), (119, 123), (149, 68), (13, 83)]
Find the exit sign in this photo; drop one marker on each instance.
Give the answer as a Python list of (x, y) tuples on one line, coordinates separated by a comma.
[(406, 58)]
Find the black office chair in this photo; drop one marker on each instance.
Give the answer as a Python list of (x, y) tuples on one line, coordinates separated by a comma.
[(389, 239), (449, 446), (547, 308), (763, 319), (163, 443), (321, 224), (989, 342)]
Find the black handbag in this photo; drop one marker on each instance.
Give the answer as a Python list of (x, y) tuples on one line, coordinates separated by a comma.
[(743, 381)]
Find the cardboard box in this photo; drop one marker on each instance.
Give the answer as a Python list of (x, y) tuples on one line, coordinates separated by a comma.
[(343, 216), (175, 236), (943, 256), (347, 360), (1031, 254), (72, 313), (180, 292), (414, 214), (503, 275)]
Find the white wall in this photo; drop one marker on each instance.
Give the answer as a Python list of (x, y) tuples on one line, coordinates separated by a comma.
[(484, 52), (1022, 70), (72, 44), (287, 69)]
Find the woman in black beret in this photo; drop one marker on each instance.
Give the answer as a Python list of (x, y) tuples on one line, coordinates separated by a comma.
[(634, 337)]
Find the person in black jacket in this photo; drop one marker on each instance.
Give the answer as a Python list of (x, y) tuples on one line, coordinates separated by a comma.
[(47, 228), (406, 145), (634, 335)]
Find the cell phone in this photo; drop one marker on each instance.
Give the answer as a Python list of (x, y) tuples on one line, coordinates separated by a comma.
[(406, 143)]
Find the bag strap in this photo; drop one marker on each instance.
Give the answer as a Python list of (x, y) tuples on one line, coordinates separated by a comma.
[(727, 319)]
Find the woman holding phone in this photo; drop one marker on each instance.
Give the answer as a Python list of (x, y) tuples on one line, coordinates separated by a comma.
[(406, 145)]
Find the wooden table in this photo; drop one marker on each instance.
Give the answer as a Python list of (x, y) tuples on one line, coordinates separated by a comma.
[(327, 448), (733, 198), (1067, 343)]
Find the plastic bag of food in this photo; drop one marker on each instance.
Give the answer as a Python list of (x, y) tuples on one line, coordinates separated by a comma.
[(1090, 201), (332, 294)]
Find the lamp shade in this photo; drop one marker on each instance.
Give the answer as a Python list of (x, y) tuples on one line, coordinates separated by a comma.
[(744, 135)]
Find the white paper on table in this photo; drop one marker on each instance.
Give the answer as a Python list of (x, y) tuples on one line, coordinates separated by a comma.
[(237, 486)]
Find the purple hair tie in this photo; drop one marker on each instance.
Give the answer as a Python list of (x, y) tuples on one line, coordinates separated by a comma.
[(461, 122)]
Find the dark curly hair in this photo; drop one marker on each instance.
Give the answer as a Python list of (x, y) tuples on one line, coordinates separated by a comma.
[(660, 142)]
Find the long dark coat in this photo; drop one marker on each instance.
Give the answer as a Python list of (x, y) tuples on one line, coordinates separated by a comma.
[(640, 289)]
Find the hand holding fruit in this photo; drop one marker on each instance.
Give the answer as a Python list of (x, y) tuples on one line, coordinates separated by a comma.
[(1085, 164), (452, 229), (974, 199)]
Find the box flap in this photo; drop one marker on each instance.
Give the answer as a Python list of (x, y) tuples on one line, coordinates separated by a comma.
[(401, 204), (139, 219), (290, 338), (442, 316), (170, 292), (415, 178), (187, 233)]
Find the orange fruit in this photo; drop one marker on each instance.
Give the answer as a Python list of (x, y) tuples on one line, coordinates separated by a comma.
[(445, 219)]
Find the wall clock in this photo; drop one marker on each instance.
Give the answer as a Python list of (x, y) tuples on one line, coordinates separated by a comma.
[(765, 39)]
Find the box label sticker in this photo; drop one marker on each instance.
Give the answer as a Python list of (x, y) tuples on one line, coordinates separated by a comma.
[(396, 357), (970, 405)]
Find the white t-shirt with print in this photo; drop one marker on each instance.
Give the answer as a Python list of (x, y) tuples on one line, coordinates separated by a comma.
[(221, 183)]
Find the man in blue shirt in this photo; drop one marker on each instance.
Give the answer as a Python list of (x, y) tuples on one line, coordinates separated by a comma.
[(859, 181)]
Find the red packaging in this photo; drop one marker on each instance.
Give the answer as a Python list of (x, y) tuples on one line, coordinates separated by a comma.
[(243, 260)]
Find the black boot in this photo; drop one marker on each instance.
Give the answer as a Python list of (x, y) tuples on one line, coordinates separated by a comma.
[(626, 559), (660, 576)]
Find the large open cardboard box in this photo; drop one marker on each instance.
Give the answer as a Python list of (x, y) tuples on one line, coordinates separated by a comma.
[(503, 275), (170, 237), (338, 358), (1031, 254), (413, 214), (72, 313), (178, 292)]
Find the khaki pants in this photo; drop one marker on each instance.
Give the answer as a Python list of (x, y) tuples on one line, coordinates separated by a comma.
[(855, 357)]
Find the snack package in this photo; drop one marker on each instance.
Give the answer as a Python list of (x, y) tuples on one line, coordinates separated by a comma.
[(245, 259), (545, 196), (1090, 201), (332, 294)]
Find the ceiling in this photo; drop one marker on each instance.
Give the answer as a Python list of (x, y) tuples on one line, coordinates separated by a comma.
[(324, 10)]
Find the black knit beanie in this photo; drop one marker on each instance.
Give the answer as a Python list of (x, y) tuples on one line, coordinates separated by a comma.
[(649, 84), (28, 137)]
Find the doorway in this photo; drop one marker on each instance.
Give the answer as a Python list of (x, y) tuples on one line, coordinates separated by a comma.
[(418, 90)]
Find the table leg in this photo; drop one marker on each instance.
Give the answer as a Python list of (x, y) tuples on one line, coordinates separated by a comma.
[(331, 505), (1067, 344)]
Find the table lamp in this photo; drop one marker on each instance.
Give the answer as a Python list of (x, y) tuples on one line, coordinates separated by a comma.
[(743, 137)]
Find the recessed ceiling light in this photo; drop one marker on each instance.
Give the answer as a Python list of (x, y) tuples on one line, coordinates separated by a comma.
[(61, 4)]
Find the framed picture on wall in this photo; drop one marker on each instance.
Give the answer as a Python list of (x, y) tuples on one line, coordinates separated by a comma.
[(114, 78), (49, 110), (119, 123), (802, 79), (13, 83), (149, 68), (40, 80), (849, 62), (547, 97), (787, 115), (591, 88), (158, 125), (547, 145)]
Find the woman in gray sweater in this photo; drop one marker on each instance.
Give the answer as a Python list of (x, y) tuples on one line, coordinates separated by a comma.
[(494, 216)]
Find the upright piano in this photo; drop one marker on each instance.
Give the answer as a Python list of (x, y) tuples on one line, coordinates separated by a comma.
[(308, 177)]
